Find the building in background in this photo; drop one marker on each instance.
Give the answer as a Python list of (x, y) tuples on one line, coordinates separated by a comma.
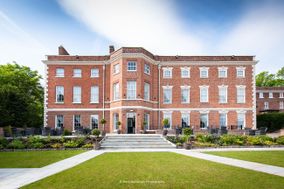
[(137, 88)]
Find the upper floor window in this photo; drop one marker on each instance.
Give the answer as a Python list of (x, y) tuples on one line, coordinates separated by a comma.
[(185, 72), (146, 91), (59, 72), (167, 72), (116, 69), (59, 94), (185, 93), (131, 89), (270, 95), (223, 94), (204, 72), (266, 105), (222, 72), (146, 69), (281, 105), (94, 72), (94, 94), (76, 94), (77, 73), (240, 72), (260, 94), (241, 94), (131, 66), (167, 93), (203, 93), (281, 95), (116, 91)]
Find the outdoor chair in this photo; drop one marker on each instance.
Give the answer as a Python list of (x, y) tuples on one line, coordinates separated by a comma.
[(261, 131)]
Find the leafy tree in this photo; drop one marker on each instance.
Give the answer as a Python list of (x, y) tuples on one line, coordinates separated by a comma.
[(21, 96), (265, 79)]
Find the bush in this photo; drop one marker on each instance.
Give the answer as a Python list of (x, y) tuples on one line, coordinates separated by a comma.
[(280, 140), (96, 132), (71, 144), (3, 142), (273, 121), (16, 144), (35, 142), (259, 140), (56, 145), (7, 131), (187, 131), (89, 145), (226, 140), (207, 138), (204, 144), (66, 132)]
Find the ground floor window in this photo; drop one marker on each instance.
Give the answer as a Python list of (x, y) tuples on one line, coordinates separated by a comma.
[(94, 121), (241, 120), (77, 122), (115, 120), (223, 119), (203, 121), (184, 119), (147, 121), (59, 120), (169, 117)]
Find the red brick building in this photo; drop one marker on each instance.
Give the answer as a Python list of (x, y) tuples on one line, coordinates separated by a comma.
[(269, 99), (135, 87)]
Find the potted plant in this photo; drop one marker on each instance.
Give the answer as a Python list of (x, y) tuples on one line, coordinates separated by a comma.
[(118, 123), (103, 122), (96, 133), (166, 126), (179, 145)]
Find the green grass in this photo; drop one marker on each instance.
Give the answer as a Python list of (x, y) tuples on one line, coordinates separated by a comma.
[(170, 170), (34, 159), (267, 157)]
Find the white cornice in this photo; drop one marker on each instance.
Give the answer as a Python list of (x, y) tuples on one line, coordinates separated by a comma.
[(75, 62)]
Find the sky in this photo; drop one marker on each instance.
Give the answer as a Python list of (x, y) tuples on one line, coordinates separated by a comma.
[(31, 29)]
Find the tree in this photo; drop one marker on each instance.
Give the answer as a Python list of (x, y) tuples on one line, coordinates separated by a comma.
[(21, 96), (265, 79)]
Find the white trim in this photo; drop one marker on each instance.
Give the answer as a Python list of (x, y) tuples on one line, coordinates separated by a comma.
[(241, 68), (187, 69), (270, 95), (168, 69), (93, 115), (223, 69), (241, 87), (226, 95), (74, 62), (204, 87), (45, 110), (204, 69)]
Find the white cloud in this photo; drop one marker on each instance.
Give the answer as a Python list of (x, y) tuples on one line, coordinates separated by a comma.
[(148, 23)]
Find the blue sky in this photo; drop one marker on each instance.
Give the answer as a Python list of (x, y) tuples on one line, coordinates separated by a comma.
[(30, 29)]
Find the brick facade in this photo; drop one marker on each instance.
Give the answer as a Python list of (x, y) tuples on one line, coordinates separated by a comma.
[(125, 108)]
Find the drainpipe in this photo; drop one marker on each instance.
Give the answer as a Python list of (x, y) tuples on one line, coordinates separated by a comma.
[(159, 87), (104, 68)]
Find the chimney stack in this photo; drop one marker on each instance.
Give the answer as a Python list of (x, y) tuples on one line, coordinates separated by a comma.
[(111, 49), (62, 51)]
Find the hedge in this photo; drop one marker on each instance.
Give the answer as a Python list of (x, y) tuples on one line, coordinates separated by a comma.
[(273, 121)]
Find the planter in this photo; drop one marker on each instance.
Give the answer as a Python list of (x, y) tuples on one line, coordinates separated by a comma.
[(179, 146), (103, 133), (97, 145), (165, 132), (187, 146), (118, 131)]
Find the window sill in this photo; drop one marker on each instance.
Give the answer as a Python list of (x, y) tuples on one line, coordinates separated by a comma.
[(77, 76), (77, 102), (185, 77), (94, 76), (132, 70), (94, 102), (167, 77), (146, 73), (185, 102), (59, 76), (59, 102), (167, 103)]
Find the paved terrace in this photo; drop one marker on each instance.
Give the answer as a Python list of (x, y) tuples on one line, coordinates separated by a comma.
[(15, 178)]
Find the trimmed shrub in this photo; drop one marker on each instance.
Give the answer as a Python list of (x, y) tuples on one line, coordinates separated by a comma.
[(16, 144), (280, 140), (71, 144), (35, 142), (89, 145), (3, 142), (56, 145), (273, 121), (96, 132), (226, 140), (187, 131)]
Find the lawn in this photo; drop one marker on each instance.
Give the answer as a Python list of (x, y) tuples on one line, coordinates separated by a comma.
[(267, 157), (156, 170), (34, 159)]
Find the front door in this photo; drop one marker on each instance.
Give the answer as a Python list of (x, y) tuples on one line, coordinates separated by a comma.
[(131, 123)]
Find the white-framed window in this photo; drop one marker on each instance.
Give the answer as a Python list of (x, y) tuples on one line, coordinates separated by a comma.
[(59, 90), (241, 94), (147, 69), (146, 91), (77, 73), (270, 94), (223, 94), (167, 72), (222, 72), (223, 119), (281, 95), (147, 121), (260, 94), (95, 72), (77, 94), (116, 95), (204, 120), (76, 122), (115, 121), (266, 105), (131, 89), (185, 119), (281, 105), (168, 116), (116, 68), (240, 72), (59, 72), (241, 120), (185, 94), (204, 93), (94, 122), (131, 66), (185, 72), (59, 121), (167, 94), (94, 94), (204, 72)]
